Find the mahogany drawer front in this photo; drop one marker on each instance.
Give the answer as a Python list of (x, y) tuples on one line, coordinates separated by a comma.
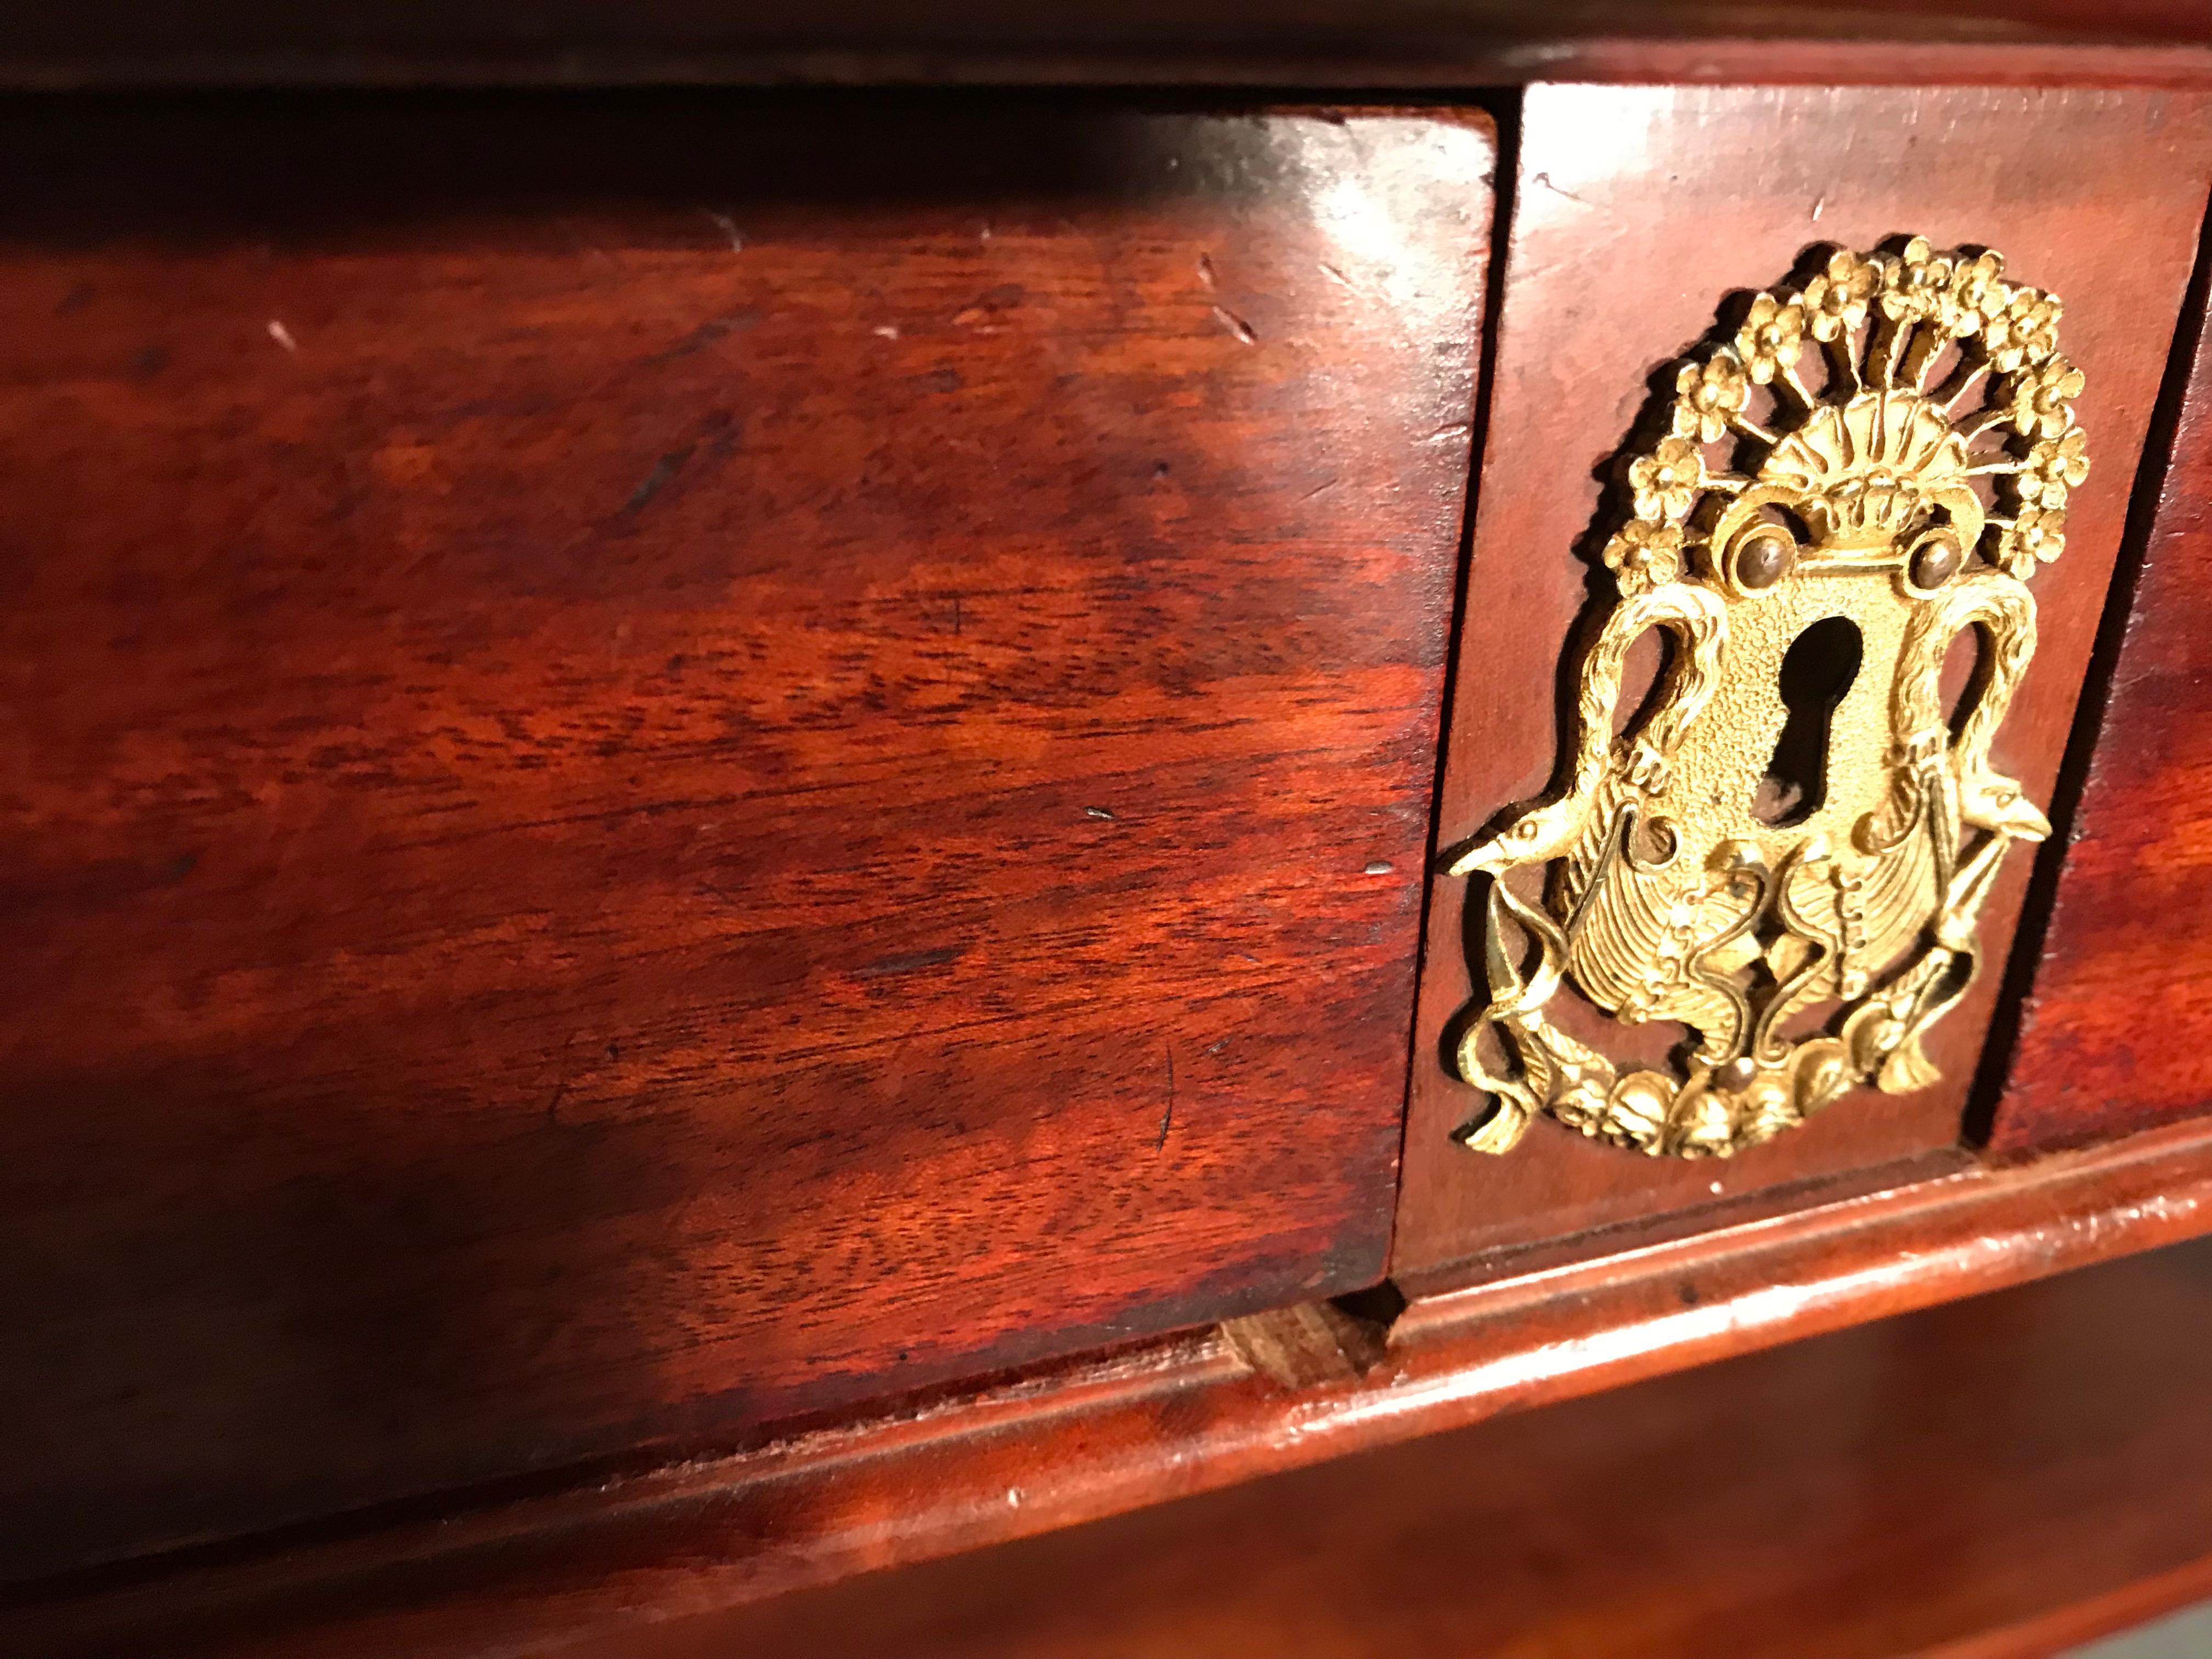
[(2114, 1031), (670, 762), (1637, 211)]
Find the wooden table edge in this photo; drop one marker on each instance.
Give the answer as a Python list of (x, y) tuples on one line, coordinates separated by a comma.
[(1082, 1440)]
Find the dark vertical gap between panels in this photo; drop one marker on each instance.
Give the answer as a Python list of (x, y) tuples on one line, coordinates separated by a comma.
[(1985, 1097), (1504, 108)]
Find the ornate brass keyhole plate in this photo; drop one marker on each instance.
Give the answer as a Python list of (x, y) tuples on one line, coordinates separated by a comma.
[(1879, 459)]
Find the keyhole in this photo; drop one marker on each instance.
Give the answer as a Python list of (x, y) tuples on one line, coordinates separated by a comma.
[(1816, 671)]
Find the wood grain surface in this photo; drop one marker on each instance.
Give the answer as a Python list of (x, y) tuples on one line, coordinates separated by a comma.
[(1891, 1490), (667, 765), (1085, 1438), (2116, 1027), (1636, 213)]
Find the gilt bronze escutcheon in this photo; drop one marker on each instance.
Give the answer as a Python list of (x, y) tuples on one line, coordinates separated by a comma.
[(1789, 852)]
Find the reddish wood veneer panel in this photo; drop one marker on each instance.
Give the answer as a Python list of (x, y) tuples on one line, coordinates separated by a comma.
[(667, 765), (1636, 211), (2115, 1029)]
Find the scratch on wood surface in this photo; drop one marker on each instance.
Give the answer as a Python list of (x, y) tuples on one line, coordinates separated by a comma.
[(713, 329), (655, 481), (1544, 180), (1167, 1118), (990, 304), (1236, 325), (283, 336), (907, 963), (728, 226)]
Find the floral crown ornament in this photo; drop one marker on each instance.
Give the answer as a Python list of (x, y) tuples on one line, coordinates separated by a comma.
[(1883, 321), (1889, 449)]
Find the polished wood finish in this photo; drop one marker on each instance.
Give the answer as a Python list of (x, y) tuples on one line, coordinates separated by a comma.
[(1100, 1437), (1888, 1491), (717, 815), (666, 767), (2114, 1030), (1635, 212)]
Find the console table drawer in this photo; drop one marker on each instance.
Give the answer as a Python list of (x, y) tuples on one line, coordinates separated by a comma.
[(669, 766)]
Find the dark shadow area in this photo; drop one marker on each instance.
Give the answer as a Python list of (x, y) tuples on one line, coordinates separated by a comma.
[(431, 169), (1817, 669)]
